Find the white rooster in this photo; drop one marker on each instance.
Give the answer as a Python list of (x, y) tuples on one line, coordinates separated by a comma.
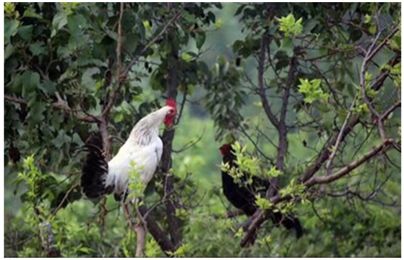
[(143, 149)]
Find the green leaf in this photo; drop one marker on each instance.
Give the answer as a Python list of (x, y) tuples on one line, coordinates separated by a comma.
[(395, 42), (10, 29), (59, 20), (287, 46), (368, 18), (30, 12), (25, 32), (76, 24), (8, 51), (48, 87), (29, 81), (372, 29), (200, 39), (262, 203), (274, 172), (312, 91), (36, 112), (61, 139), (188, 56), (293, 188), (118, 117), (9, 8), (218, 23), (290, 26), (87, 78), (181, 251), (37, 48), (77, 140)]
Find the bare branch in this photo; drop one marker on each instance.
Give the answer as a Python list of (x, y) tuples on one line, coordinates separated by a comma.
[(166, 160), (119, 43), (390, 110), (64, 198), (184, 99), (258, 218), (261, 84), (384, 42), (189, 144), (369, 54), (339, 137), (140, 240), (15, 99), (141, 230), (351, 166), (158, 234), (257, 148), (119, 79), (48, 240), (282, 128)]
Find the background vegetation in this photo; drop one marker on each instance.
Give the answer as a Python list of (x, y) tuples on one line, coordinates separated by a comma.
[(312, 91)]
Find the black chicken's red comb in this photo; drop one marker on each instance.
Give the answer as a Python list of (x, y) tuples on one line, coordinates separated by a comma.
[(225, 149)]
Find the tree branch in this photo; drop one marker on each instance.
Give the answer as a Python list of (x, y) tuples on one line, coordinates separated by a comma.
[(118, 78), (48, 240), (325, 151), (184, 99), (384, 42), (140, 240), (339, 137), (368, 56), (261, 84), (260, 216), (351, 166), (166, 160), (282, 128), (390, 110), (158, 234), (123, 76)]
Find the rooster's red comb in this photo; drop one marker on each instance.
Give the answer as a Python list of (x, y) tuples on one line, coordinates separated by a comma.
[(171, 102)]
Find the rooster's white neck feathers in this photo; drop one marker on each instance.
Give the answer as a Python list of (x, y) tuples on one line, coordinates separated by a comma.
[(148, 127)]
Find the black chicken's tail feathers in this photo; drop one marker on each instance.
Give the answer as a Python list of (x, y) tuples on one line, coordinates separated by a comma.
[(95, 169), (289, 222)]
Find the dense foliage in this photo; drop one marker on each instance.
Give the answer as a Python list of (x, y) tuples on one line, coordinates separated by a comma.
[(310, 92)]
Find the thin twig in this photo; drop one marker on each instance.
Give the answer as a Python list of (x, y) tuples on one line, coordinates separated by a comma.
[(151, 42), (390, 110), (351, 166), (261, 84), (65, 198), (189, 144), (337, 142), (369, 54), (184, 99)]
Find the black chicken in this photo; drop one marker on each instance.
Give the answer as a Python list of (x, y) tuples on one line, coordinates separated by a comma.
[(243, 196)]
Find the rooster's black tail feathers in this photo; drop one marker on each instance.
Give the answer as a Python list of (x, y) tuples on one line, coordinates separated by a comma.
[(95, 169), (289, 222)]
